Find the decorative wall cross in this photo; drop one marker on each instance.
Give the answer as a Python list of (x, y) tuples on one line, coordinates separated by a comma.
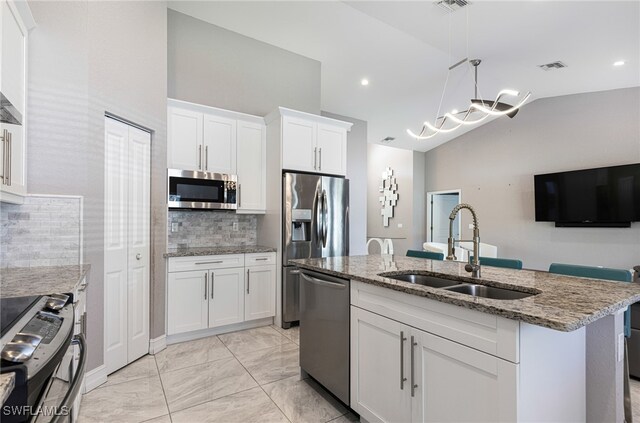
[(389, 197)]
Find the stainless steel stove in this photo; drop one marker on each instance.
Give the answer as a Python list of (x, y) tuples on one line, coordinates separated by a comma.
[(38, 345)]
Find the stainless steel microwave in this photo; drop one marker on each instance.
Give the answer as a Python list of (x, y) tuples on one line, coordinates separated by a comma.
[(191, 189)]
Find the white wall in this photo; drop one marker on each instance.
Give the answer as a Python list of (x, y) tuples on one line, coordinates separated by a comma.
[(408, 169), (495, 163), (87, 58)]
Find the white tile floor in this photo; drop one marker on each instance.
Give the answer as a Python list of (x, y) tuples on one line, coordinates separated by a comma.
[(246, 376)]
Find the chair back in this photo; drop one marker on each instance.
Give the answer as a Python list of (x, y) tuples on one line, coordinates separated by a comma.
[(619, 275), (425, 254)]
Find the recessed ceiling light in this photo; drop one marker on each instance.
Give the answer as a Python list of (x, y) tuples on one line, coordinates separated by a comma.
[(618, 63), (364, 82)]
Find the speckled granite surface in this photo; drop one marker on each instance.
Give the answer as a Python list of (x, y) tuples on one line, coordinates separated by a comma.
[(7, 382), (23, 281), (561, 302), (216, 251)]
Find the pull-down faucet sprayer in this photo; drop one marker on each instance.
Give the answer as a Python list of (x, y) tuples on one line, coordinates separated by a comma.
[(474, 266)]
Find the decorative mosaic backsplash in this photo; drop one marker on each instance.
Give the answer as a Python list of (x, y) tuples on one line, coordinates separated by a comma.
[(211, 229), (44, 231)]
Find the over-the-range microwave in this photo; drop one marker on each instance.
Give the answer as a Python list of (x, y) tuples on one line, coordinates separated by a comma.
[(192, 189)]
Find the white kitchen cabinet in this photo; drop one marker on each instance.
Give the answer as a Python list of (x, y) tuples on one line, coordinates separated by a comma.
[(251, 167), (463, 365), (299, 139), (378, 368), (219, 144), (260, 297), (226, 297), (216, 291), (389, 357), (332, 149), (188, 303), (15, 22), (185, 129), (311, 143)]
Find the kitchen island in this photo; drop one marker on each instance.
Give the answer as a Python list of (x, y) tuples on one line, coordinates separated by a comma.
[(420, 353)]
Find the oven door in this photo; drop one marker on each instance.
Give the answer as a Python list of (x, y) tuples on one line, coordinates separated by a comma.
[(201, 190), (61, 399)]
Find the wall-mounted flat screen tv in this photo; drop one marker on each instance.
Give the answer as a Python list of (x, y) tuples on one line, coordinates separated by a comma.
[(602, 197)]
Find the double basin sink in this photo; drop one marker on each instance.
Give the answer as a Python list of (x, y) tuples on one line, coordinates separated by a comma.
[(475, 290)]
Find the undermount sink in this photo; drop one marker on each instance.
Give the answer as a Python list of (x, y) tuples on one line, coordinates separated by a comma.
[(425, 280), (489, 292)]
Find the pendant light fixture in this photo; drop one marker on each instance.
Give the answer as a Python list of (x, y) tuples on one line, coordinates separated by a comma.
[(477, 111)]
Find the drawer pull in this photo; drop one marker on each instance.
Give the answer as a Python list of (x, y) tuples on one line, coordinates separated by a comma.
[(211, 262), (262, 259)]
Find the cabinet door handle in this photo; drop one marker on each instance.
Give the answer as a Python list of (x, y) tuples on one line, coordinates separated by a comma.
[(402, 378), (4, 155), (248, 280), (315, 158), (200, 157), (212, 279), (7, 178), (414, 385), (205, 284), (239, 195), (206, 157), (320, 158)]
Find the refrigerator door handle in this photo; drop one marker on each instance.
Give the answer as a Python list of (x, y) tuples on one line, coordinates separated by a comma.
[(324, 219), (319, 219)]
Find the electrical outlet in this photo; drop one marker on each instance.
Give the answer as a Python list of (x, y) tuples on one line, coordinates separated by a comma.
[(174, 226), (235, 226), (470, 225), (399, 225)]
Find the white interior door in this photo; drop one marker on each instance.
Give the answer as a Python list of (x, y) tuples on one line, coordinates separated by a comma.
[(126, 252), (116, 244), (441, 206), (138, 242)]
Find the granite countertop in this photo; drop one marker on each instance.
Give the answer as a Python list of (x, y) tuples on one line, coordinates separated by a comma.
[(43, 280), (563, 303), (7, 382), (216, 251)]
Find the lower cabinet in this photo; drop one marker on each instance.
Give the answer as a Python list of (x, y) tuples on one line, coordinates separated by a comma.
[(212, 297), (260, 300), (403, 374)]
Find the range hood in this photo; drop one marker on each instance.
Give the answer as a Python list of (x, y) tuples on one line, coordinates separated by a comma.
[(8, 113)]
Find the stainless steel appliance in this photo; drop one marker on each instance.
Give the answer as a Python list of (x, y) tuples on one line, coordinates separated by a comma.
[(315, 214), (324, 331), (38, 345), (192, 189)]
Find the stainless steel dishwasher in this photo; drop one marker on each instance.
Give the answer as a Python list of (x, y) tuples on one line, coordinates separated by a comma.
[(324, 331)]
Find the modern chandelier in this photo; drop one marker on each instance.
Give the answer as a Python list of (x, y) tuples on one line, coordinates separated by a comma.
[(477, 111)]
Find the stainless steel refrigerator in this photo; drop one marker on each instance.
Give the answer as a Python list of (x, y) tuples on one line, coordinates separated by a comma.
[(315, 222)]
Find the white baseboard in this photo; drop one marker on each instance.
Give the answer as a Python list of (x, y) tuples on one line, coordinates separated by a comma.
[(94, 378), (157, 344), (190, 336)]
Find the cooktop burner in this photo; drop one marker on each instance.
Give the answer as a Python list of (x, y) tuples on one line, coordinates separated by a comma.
[(12, 309)]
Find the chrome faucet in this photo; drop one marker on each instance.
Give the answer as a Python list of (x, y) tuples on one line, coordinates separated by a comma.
[(474, 266)]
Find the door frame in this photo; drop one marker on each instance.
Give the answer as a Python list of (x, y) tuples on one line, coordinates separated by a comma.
[(429, 213)]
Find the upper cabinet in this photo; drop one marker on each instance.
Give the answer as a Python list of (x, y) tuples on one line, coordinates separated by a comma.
[(15, 22), (312, 143), (215, 140)]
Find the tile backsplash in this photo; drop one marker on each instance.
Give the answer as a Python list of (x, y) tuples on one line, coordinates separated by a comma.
[(209, 229), (44, 231)]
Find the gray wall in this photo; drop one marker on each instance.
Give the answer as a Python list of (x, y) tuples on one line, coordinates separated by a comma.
[(85, 59), (495, 163), (410, 209), (357, 175), (210, 65)]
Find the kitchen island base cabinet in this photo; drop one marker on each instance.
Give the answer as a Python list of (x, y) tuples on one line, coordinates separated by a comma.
[(402, 372)]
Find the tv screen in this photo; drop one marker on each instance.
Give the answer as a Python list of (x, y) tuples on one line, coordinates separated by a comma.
[(607, 195)]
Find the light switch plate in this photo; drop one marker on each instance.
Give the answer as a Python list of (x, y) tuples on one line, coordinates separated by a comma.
[(174, 226), (399, 225), (470, 225), (235, 226)]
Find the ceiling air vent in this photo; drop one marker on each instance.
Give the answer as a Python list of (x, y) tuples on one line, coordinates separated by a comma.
[(387, 140), (553, 65), (452, 5)]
